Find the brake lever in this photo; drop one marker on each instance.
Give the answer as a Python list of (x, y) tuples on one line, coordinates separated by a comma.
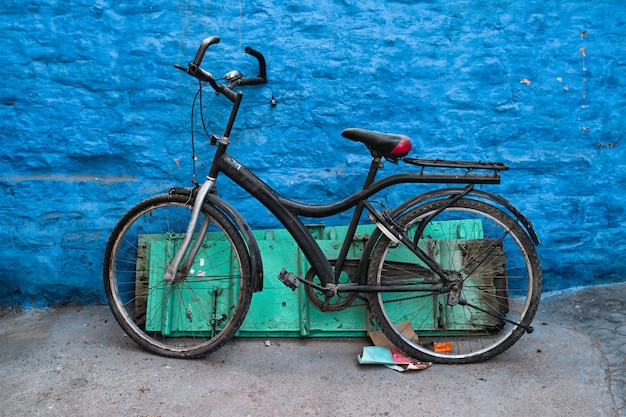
[(180, 67)]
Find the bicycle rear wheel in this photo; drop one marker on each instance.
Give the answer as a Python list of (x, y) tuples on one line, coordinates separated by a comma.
[(494, 297), (197, 313)]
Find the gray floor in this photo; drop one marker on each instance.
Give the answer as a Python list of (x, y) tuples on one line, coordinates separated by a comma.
[(75, 361)]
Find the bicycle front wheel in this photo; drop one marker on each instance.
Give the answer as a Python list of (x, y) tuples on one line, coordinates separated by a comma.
[(198, 312), (486, 304)]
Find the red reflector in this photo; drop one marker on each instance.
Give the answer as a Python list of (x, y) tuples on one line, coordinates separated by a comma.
[(403, 147)]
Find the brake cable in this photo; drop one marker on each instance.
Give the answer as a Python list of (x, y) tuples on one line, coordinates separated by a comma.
[(194, 158)]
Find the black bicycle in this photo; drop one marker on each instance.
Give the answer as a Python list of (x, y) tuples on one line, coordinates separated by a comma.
[(450, 275)]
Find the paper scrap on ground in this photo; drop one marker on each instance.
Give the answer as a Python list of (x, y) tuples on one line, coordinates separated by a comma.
[(385, 353), (391, 357)]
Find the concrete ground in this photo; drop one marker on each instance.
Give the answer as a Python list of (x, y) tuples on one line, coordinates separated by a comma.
[(76, 361)]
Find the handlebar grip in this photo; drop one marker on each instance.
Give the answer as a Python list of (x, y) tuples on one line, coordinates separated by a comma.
[(259, 56), (202, 49)]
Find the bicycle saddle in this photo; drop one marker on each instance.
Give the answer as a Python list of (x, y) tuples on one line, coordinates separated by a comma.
[(389, 145)]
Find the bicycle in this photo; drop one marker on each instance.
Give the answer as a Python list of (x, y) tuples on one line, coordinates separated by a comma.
[(450, 276)]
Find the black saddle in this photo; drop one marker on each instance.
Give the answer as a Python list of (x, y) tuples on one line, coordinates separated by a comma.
[(388, 145)]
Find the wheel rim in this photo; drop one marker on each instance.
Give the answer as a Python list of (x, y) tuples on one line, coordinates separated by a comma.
[(461, 327), (192, 315)]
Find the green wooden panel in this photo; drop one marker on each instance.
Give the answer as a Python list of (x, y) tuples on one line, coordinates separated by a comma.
[(200, 303), (278, 311)]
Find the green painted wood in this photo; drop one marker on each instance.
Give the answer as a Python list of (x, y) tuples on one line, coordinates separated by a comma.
[(278, 311)]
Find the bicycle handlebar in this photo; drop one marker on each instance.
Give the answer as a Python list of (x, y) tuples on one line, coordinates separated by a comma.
[(194, 70), (262, 77), (203, 48)]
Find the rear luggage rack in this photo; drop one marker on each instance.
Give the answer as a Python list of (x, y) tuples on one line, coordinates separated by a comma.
[(467, 165)]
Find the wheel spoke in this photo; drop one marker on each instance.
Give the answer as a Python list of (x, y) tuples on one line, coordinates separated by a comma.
[(200, 310), (489, 298)]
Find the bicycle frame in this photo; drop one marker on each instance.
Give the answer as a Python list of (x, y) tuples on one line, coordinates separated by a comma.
[(287, 211)]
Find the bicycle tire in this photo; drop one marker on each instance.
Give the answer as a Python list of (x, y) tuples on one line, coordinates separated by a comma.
[(194, 315), (498, 269)]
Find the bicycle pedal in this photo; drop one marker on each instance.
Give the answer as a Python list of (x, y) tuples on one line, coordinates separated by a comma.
[(289, 279)]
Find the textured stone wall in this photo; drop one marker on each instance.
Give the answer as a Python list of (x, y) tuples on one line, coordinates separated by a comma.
[(94, 117)]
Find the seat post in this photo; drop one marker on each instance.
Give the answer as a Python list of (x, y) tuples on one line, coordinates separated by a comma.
[(358, 211), (371, 175)]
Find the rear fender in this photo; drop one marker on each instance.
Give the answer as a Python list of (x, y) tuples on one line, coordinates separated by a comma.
[(436, 195), (483, 195)]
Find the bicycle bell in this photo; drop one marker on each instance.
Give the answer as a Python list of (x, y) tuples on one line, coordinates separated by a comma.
[(233, 76)]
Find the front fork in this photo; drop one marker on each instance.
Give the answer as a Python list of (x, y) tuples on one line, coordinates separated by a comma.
[(178, 269)]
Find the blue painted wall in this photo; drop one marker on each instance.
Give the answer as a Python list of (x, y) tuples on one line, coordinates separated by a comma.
[(94, 118)]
